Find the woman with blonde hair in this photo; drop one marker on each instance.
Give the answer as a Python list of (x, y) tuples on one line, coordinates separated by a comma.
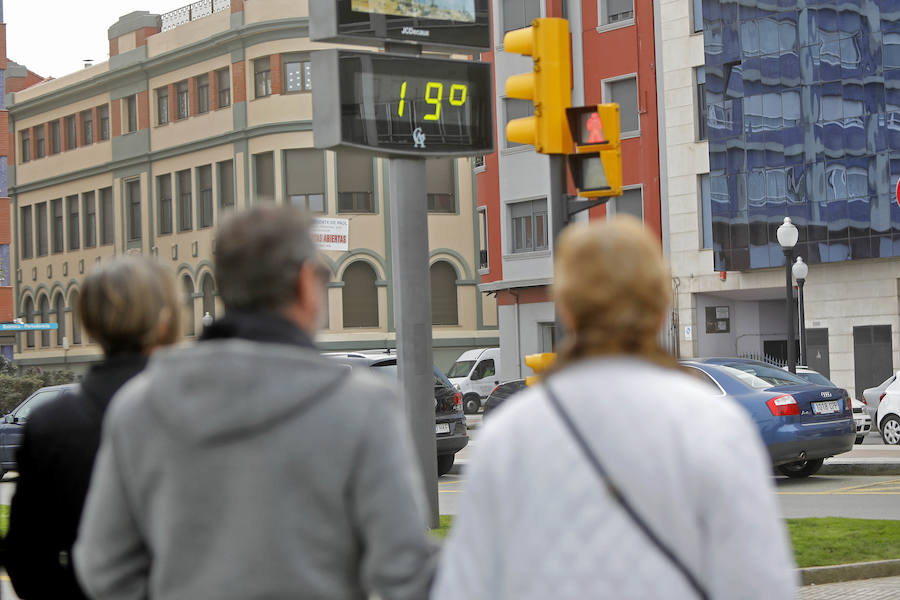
[(129, 306), (617, 476)]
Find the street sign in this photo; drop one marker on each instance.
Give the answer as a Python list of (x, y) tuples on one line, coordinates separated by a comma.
[(434, 24), (28, 326), (402, 105)]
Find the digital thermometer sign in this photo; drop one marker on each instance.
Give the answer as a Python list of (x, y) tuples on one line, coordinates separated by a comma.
[(403, 105)]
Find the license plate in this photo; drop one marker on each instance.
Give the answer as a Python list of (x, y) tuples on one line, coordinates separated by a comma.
[(442, 428), (825, 408)]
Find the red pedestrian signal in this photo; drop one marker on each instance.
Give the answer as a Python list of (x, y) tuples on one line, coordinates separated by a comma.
[(595, 129)]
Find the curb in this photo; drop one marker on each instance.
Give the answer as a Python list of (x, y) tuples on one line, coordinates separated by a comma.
[(850, 572), (860, 468)]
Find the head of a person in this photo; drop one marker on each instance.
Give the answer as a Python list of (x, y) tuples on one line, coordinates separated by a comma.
[(612, 289), (266, 261), (129, 306)]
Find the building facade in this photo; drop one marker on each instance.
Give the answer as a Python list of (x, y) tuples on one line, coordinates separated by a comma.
[(200, 112)]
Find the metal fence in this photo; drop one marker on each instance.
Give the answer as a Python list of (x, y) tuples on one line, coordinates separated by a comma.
[(192, 12), (776, 362)]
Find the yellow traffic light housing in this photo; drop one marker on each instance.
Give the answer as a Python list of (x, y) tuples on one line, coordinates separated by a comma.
[(597, 162), (548, 86), (538, 363)]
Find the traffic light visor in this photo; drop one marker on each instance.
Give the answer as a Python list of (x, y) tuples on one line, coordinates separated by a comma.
[(519, 41), (598, 173)]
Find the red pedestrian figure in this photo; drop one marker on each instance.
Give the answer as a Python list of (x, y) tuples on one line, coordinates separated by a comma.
[(595, 127)]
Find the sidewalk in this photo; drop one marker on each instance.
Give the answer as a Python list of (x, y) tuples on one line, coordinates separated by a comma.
[(861, 589), (865, 460)]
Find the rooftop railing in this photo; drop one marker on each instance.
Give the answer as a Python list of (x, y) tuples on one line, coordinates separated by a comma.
[(192, 12)]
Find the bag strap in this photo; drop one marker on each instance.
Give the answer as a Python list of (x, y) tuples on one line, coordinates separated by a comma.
[(620, 498)]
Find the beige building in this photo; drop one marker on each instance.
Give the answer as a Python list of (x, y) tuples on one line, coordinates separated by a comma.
[(199, 112)]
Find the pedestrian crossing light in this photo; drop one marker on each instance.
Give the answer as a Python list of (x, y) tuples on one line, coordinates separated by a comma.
[(538, 363), (548, 86), (597, 163)]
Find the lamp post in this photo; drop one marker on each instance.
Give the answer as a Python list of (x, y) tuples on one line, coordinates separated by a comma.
[(801, 270), (207, 320), (787, 236)]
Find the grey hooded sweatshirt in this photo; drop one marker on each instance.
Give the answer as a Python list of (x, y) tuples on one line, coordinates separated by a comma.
[(234, 469)]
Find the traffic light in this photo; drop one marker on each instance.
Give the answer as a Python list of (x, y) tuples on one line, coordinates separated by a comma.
[(597, 162), (549, 86), (538, 363)]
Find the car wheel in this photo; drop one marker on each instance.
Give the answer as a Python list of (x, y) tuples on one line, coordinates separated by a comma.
[(471, 404), (801, 468), (860, 438), (445, 463), (890, 430)]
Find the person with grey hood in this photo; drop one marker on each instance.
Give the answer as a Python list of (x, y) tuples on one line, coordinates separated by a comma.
[(248, 466)]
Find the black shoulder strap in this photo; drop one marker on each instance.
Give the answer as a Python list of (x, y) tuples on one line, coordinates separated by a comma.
[(617, 495)]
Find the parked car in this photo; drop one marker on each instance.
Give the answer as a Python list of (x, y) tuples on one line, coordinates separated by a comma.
[(861, 416), (449, 421), (12, 429), (475, 373), (887, 417), (801, 424), (873, 396), (500, 393)]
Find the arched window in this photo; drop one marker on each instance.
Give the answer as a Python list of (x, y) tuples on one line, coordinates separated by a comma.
[(74, 298), (44, 308), (360, 296), (59, 311), (444, 310), (188, 284), (29, 318), (208, 287)]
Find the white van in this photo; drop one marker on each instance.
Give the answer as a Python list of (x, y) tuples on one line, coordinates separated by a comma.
[(475, 373)]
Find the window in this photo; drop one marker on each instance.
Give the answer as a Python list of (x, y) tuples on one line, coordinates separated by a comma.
[(103, 116), (547, 336), (485, 368), (529, 226), (264, 170), (56, 225), (516, 109), (355, 182), (444, 310), (696, 16), (705, 212), (27, 239), (360, 296), (133, 201), (26, 145), (520, 13), (29, 318), (89, 205), (54, 137), (208, 289), (478, 162), (131, 114), (184, 99), (700, 75), (631, 202), (41, 229), (226, 184), (185, 201), (262, 77), (205, 199), (73, 224), (40, 145), (162, 106), (297, 75), (482, 238), (74, 299), (87, 126), (107, 222), (44, 308), (305, 179), (224, 81), (71, 133), (164, 202), (188, 288), (440, 185), (624, 91), (616, 11), (59, 311), (203, 94)]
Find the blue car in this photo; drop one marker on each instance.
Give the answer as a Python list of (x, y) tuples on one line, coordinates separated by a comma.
[(801, 424)]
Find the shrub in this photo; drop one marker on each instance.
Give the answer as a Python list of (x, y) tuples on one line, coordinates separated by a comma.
[(15, 387)]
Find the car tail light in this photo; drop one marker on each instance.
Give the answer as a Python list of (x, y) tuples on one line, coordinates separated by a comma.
[(496, 387), (457, 401), (881, 397), (863, 400), (783, 406)]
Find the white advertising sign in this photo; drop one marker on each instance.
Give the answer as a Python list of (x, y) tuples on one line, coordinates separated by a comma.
[(331, 234)]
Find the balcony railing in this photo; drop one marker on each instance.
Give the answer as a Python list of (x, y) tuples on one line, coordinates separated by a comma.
[(192, 12)]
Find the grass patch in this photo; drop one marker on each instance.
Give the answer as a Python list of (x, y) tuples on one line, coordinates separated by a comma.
[(4, 519), (442, 531), (836, 541)]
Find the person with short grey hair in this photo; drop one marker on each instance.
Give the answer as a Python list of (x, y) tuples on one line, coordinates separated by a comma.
[(247, 465)]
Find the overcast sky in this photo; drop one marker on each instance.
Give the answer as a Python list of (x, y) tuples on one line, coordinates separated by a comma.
[(53, 37)]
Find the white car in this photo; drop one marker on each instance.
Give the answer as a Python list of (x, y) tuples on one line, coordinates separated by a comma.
[(888, 415), (873, 395), (861, 416)]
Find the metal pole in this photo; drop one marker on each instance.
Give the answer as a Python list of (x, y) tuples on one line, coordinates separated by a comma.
[(789, 291), (804, 358), (412, 313), (559, 211)]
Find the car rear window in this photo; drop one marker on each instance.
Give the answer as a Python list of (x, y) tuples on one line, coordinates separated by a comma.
[(761, 377), (816, 378)]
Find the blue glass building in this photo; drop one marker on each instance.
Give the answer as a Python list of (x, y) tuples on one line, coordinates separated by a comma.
[(803, 120)]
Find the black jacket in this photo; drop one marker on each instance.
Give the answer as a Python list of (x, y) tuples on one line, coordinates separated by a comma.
[(55, 462)]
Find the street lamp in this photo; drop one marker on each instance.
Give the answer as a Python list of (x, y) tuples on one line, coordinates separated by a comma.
[(207, 320), (787, 236), (801, 270)]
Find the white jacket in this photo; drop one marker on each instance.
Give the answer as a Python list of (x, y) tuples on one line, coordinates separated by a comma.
[(536, 522)]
